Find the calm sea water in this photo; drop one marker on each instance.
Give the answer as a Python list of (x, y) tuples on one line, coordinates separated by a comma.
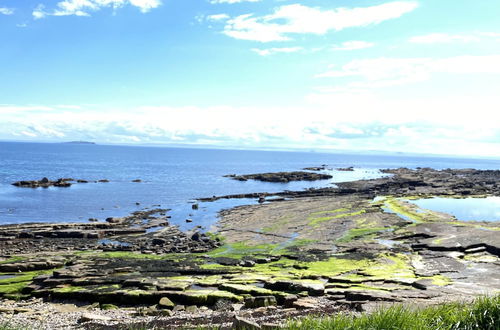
[(171, 177)]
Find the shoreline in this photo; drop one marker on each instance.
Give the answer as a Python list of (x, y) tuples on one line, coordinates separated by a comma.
[(335, 248)]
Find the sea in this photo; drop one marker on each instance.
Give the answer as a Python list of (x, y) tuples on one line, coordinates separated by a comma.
[(171, 178)]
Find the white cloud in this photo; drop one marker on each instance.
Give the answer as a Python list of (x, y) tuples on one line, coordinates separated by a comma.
[(231, 1), (300, 19), (441, 38), (217, 17), (340, 121), (445, 38), (384, 72), (85, 7), (39, 12), (272, 51), (6, 11), (353, 45), (490, 34)]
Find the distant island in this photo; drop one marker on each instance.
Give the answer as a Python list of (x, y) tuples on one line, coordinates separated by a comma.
[(80, 142)]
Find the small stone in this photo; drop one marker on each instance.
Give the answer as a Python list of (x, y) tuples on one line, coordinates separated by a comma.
[(179, 308), (88, 317), (165, 312), (241, 323), (247, 263), (166, 303), (304, 304), (108, 307), (192, 309)]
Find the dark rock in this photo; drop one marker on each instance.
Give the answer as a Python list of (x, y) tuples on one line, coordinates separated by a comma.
[(283, 176), (247, 263), (260, 301)]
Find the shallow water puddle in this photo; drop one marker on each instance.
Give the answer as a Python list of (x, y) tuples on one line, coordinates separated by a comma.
[(386, 242), (464, 209), (4, 277), (112, 242)]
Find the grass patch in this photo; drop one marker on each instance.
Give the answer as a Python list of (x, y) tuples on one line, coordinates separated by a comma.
[(484, 314), (242, 249)]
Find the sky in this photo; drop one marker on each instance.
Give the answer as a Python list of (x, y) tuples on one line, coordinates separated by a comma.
[(419, 76)]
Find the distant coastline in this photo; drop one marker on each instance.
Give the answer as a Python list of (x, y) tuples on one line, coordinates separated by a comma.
[(79, 142)]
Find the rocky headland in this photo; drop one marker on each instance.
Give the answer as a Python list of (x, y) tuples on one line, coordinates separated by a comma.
[(355, 247)]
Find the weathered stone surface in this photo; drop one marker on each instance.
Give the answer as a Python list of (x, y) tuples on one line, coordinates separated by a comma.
[(304, 303), (241, 323), (313, 288), (260, 301)]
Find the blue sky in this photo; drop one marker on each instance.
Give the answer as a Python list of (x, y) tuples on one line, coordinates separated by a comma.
[(415, 76)]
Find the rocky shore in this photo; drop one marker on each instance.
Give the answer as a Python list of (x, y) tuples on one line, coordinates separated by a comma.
[(282, 177), (354, 247)]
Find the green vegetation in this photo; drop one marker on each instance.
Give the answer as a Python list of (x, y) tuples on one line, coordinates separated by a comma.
[(405, 210), (484, 314), (7, 326), (242, 249), (16, 283), (12, 260)]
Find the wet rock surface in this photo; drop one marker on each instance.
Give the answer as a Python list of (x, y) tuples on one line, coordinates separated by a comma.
[(319, 251), (46, 183), (147, 230), (281, 176)]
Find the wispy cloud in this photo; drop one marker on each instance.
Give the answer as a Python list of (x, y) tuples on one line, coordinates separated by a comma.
[(353, 45), (440, 38), (272, 51), (446, 38), (85, 7), (6, 11), (300, 19), (384, 72), (217, 17)]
